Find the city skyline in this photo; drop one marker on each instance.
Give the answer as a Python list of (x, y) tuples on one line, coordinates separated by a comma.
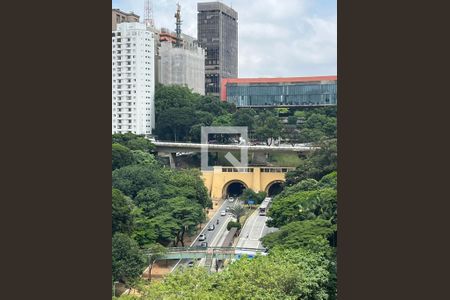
[(297, 38)]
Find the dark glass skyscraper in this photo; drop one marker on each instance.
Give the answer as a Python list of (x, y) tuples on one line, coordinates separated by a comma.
[(217, 31)]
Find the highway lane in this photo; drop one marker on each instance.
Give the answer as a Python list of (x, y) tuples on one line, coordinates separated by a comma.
[(212, 237), (254, 229)]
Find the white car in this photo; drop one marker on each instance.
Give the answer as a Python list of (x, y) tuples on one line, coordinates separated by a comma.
[(231, 199), (223, 213), (202, 237)]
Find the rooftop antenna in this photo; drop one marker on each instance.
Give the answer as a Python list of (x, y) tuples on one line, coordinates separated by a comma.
[(178, 25), (148, 14)]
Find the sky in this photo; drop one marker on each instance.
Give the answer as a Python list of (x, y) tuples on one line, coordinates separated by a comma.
[(277, 38)]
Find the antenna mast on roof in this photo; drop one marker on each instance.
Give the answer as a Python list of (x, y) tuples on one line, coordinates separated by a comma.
[(178, 25), (148, 14)]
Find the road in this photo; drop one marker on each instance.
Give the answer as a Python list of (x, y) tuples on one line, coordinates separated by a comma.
[(254, 229), (214, 237)]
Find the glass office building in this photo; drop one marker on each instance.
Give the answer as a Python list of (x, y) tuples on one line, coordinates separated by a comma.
[(280, 92)]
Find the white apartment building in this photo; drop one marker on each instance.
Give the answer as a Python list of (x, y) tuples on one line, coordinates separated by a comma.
[(133, 85)]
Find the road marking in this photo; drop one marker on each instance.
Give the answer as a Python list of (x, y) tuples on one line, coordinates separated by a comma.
[(201, 232)]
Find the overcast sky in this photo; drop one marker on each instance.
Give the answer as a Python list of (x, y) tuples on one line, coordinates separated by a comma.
[(277, 38)]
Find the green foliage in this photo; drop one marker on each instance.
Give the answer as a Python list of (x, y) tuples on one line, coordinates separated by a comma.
[(131, 179), (175, 123), (244, 117), (143, 158), (122, 217), (317, 164), (223, 120), (292, 135), (301, 234), (305, 205), (283, 274), (329, 180), (173, 96), (128, 261), (180, 113), (232, 224), (121, 156), (249, 194), (268, 128), (292, 120), (133, 142)]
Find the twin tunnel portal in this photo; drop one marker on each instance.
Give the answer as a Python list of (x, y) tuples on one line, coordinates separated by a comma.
[(224, 181)]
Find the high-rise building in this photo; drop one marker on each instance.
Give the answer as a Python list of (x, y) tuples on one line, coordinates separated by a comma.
[(181, 63), (119, 16), (133, 84), (217, 30)]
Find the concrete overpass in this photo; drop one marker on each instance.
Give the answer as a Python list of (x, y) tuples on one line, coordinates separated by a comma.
[(258, 151), (258, 179), (174, 147)]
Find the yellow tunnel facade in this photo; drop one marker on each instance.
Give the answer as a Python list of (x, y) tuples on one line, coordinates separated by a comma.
[(256, 178)]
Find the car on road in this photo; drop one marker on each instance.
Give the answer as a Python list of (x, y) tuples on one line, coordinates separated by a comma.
[(202, 237), (231, 199), (204, 244), (190, 264), (223, 213), (227, 208), (211, 227)]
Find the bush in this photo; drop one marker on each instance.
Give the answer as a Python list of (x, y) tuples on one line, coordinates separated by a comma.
[(232, 224)]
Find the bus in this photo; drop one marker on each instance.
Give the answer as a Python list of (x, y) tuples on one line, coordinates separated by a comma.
[(264, 208)]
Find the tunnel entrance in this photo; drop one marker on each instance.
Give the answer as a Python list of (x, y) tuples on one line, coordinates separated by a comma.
[(275, 188), (234, 189)]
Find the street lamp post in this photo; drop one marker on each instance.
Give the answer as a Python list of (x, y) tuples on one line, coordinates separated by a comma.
[(114, 288)]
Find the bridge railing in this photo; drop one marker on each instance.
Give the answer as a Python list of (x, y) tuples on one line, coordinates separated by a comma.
[(241, 170), (276, 169), (204, 249)]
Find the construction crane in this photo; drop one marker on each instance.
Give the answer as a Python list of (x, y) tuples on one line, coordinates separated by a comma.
[(148, 14), (178, 25)]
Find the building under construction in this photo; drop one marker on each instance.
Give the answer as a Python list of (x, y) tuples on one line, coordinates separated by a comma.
[(182, 60)]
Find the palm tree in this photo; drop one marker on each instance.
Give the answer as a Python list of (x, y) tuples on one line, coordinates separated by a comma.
[(238, 211)]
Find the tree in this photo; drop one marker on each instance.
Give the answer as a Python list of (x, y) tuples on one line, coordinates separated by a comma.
[(141, 144), (292, 120), (156, 252), (317, 163), (187, 214), (223, 120), (131, 179), (305, 205), (249, 194), (291, 134), (300, 234), (283, 274), (232, 224), (244, 117), (128, 260), (308, 135), (173, 96), (268, 127), (121, 156), (143, 158), (122, 218), (133, 141), (175, 122), (238, 211)]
